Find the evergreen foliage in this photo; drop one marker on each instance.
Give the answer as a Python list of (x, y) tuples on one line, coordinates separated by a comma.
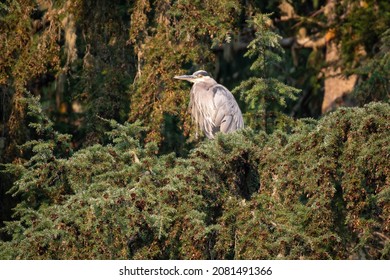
[(264, 95), (375, 73), (351, 26), (143, 188), (320, 192)]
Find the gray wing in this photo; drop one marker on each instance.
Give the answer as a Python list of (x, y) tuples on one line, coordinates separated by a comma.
[(214, 109), (227, 116)]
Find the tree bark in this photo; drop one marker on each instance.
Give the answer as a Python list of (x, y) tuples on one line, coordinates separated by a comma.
[(337, 86)]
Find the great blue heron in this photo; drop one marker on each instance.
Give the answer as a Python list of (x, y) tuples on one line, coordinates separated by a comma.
[(213, 107)]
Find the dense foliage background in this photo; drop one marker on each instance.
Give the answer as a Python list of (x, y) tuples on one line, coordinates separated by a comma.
[(99, 155)]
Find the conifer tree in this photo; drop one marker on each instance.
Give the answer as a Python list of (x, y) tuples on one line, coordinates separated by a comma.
[(264, 95), (320, 192)]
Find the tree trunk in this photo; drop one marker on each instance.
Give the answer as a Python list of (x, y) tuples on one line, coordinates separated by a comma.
[(337, 86)]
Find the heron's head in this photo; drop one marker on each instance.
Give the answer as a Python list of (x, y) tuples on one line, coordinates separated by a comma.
[(198, 76)]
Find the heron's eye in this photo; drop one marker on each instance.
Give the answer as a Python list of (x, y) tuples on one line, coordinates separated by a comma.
[(200, 75)]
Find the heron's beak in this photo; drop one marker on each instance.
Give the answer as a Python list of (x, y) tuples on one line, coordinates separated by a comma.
[(189, 78)]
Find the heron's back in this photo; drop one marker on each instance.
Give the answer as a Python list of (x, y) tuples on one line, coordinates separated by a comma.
[(214, 109)]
